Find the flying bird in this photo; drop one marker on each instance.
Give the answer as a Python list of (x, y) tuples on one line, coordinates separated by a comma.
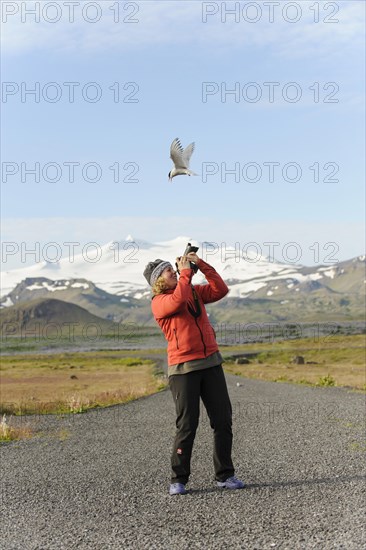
[(181, 158)]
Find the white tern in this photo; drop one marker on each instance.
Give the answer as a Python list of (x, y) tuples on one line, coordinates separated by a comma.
[(181, 158)]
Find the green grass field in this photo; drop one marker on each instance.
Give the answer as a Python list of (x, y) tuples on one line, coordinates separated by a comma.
[(74, 382), (337, 361)]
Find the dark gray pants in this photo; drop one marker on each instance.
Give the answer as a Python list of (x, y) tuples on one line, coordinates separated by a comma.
[(210, 385)]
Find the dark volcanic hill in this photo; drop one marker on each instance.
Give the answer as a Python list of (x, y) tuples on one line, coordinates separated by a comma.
[(51, 317)]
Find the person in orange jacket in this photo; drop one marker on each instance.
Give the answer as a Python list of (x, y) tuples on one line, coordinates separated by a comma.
[(194, 364)]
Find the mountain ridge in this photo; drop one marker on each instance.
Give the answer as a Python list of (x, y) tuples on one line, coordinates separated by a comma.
[(50, 317), (260, 291), (119, 267)]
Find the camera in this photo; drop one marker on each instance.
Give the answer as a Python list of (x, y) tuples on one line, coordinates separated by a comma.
[(189, 248)]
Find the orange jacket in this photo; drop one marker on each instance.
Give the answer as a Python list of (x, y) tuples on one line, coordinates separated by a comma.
[(189, 337)]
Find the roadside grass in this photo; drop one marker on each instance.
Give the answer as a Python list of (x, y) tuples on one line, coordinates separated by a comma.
[(8, 432), (74, 382), (336, 361)]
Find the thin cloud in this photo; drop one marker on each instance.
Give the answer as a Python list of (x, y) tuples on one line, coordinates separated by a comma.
[(178, 23)]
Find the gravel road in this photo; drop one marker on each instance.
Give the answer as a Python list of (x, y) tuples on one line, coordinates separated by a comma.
[(100, 480)]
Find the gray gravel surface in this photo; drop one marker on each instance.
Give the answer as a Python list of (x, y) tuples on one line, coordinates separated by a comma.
[(99, 480)]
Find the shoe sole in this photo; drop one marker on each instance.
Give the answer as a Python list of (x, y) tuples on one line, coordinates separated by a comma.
[(224, 486)]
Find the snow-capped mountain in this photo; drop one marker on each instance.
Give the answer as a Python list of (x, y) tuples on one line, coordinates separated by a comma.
[(117, 268)]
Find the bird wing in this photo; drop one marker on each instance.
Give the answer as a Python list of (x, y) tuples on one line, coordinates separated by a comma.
[(177, 154), (187, 153)]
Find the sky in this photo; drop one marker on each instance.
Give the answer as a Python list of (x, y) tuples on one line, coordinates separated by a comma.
[(272, 94)]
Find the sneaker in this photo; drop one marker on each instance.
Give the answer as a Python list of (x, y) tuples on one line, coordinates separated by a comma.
[(231, 483), (177, 489)]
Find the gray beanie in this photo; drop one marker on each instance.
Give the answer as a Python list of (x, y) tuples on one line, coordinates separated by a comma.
[(153, 270)]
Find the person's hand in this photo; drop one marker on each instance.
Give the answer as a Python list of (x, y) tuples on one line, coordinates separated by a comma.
[(192, 257), (183, 263)]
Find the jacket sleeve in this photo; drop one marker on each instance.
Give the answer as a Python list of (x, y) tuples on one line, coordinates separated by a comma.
[(165, 305), (216, 288)]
